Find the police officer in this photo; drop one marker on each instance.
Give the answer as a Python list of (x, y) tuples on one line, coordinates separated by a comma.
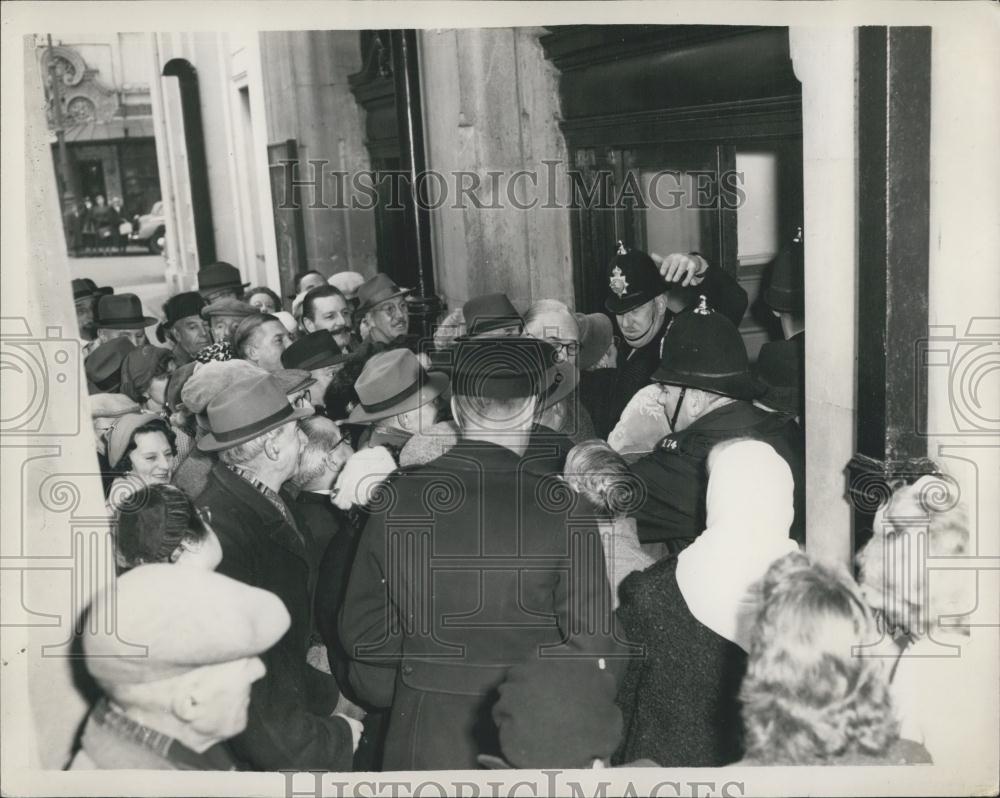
[(644, 298), (706, 395)]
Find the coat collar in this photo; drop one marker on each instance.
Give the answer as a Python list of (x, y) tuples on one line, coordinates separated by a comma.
[(272, 521)]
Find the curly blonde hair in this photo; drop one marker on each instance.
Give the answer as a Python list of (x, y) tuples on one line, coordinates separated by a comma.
[(808, 698)]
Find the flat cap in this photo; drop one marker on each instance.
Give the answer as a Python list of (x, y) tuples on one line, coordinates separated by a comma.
[(227, 306), (171, 619)]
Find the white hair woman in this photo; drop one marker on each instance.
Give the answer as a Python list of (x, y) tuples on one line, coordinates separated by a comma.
[(944, 667), (808, 697), (692, 613)]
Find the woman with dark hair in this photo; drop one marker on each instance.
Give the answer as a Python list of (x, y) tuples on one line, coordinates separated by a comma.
[(158, 524), (263, 298), (142, 449), (809, 698)]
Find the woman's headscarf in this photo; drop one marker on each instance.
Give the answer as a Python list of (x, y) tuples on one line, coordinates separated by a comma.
[(749, 513)]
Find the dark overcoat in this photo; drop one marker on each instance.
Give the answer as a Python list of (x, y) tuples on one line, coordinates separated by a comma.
[(466, 566), (289, 723), (675, 481), (680, 701)]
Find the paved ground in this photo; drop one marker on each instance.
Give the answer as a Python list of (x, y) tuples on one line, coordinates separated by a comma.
[(140, 274)]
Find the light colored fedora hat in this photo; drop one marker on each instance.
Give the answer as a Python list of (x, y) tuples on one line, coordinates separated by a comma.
[(249, 408), (394, 382)]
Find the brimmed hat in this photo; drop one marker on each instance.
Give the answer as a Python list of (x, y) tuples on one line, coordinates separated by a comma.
[(103, 366), (288, 320), (703, 349), (347, 283), (112, 405), (171, 620), (293, 380), (180, 306), (122, 431), (247, 410), (211, 379), (490, 312), (121, 312), (557, 713), (633, 280), (596, 336), (503, 368), (786, 291), (84, 287), (778, 374), (377, 290), (394, 382), (227, 306), (313, 351), (140, 366), (220, 275)]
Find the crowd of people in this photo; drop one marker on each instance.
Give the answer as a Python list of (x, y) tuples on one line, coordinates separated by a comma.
[(538, 539), (95, 226)]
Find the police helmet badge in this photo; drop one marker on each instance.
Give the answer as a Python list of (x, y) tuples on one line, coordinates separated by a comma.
[(619, 285), (703, 309)]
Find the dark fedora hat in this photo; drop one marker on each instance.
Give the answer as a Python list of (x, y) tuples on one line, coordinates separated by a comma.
[(103, 366), (786, 290), (313, 351), (84, 287), (121, 312), (180, 306), (394, 382), (376, 290), (248, 409), (220, 275), (703, 349), (633, 279), (488, 313), (503, 368), (779, 374)]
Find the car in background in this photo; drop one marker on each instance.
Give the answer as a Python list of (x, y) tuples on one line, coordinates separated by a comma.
[(150, 229)]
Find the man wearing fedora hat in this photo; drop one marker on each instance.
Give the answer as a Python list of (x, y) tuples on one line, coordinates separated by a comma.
[(397, 398), (644, 295), (121, 316), (85, 297), (318, 354), (183, 325), (706, 395), (217, 280), (292, 723), (486, 557), (382, 306)]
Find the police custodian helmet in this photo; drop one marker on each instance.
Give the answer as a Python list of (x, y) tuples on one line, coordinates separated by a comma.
[(703, 349), (633, 279)]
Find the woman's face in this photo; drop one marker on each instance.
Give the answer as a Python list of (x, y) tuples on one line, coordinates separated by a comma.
[(263, 303), (153, 458)]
